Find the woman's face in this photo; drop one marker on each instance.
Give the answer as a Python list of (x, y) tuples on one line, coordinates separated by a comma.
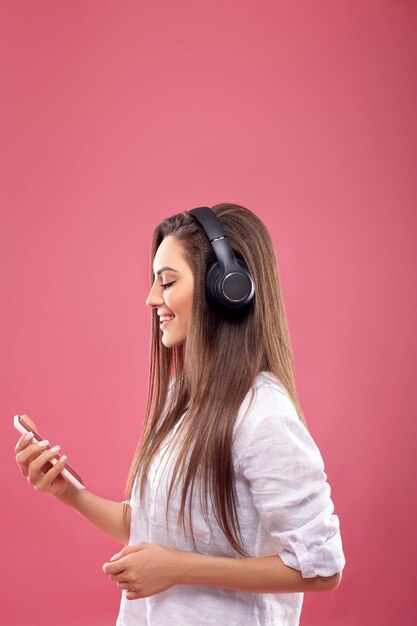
[(175, 299)]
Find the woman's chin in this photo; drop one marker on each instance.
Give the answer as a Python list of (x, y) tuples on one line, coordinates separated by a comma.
[(170, 342)]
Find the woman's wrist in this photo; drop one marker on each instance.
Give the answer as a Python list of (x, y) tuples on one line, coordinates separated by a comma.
[(69, 496)]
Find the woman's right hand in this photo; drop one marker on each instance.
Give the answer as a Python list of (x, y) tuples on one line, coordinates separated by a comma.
[(33, 461)]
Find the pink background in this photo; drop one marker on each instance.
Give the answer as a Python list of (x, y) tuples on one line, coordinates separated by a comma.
[(118, 114)]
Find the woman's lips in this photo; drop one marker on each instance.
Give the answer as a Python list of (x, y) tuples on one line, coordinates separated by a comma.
[(163, 325)]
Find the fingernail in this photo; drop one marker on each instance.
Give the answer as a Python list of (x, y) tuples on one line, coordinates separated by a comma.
[(55, 449), (28, 435), (63, 458), (43, 444), (114, 556)]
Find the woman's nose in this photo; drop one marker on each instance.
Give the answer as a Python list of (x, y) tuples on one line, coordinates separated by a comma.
[(153, 300)]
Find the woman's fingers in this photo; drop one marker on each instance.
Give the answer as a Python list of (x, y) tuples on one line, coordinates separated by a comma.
[(24, 442), (47, 479), (125, 585), (27, 454), (35, 464), (34, 469)]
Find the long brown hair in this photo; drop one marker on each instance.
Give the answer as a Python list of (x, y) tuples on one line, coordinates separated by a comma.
[(208, 376)]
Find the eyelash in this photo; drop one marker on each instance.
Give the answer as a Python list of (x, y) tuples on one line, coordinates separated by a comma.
[(168, 284)]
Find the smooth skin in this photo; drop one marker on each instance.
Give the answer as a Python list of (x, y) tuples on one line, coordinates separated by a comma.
[(33, 462), (172, 291), (144, 569)]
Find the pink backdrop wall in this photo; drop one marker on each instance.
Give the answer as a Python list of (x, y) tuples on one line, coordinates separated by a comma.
[(118, 114)]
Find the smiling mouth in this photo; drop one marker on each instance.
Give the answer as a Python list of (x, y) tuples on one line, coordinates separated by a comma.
[(163, 325)]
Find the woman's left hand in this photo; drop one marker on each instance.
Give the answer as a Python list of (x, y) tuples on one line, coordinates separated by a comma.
[(144, 569)]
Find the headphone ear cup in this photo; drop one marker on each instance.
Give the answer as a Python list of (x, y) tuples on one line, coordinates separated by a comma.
[(213, 279), (251, 285)]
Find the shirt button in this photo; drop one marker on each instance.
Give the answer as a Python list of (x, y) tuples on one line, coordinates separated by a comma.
[(293, 538)]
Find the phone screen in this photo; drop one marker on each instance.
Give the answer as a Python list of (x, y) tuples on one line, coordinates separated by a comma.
[(39, 437)]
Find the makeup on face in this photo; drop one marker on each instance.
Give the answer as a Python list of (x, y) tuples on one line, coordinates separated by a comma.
[(171, 295), (167, 318)]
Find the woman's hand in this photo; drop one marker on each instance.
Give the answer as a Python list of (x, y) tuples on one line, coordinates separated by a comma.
[(33, 462), (144, 569)]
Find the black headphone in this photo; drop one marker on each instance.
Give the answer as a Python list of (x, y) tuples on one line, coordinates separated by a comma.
[(229, 284)]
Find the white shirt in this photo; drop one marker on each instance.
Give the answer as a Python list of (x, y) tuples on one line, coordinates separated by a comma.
[(284, 509)]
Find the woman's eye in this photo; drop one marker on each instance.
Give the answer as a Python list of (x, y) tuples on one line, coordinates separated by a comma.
[(167, 285)]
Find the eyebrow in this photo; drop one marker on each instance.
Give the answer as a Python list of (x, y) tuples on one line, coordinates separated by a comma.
[(166, 268)]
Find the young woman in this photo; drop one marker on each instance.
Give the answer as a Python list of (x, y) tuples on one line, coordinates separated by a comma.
[(228, 516)]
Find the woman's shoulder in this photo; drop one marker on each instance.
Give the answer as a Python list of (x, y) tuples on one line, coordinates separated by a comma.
[(267, 396), (269, 392), (267, 408), (268, 380)]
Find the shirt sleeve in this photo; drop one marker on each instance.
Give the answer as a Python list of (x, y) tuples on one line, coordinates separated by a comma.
[(290, 491)]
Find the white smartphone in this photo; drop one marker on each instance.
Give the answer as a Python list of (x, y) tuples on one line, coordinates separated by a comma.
[(67, 471)]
